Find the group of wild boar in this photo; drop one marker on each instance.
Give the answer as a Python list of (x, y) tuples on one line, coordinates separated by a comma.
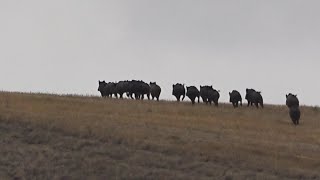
[(135, 89)]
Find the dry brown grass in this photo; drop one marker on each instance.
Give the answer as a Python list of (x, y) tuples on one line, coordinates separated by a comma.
[(73, 137)]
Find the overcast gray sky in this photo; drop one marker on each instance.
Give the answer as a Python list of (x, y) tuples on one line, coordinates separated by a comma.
[(66, 46)]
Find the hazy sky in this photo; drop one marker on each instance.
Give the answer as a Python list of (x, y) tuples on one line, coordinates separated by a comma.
[(66, 46)]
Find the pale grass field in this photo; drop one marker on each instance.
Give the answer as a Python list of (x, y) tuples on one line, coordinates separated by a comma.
[(73, 137)]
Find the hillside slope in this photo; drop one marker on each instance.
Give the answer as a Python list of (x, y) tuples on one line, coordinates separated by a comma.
[(72, 137)]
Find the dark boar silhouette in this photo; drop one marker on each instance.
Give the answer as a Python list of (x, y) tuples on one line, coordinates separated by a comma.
[(107, 89), (254, 97), (209, 95), (155, 90), (204, 93), (213, 96), (292, 100), (121, 88), (145, 90), (139, 89), (235, 98), (178, 90), (295, 114), (102, 88), (193, 93)]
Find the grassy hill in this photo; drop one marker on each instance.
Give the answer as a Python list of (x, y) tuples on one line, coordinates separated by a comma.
[(73, 137)]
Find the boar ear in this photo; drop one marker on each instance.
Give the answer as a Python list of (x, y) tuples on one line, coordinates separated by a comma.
[(286, 95), (229, 93)]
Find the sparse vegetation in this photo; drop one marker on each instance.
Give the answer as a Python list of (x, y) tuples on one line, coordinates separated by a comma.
[(316, 108), (75, 137)]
